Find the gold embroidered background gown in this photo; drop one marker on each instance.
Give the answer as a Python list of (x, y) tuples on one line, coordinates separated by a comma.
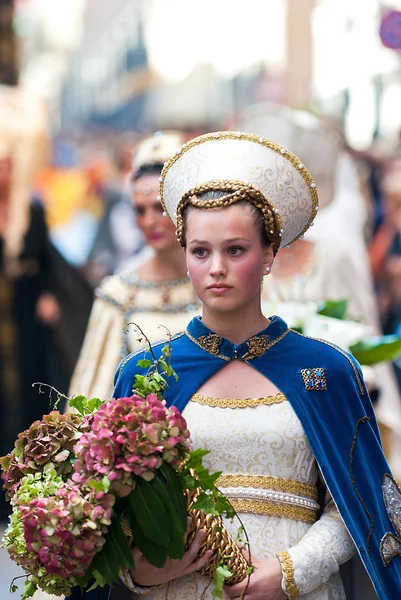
[(121, 299), (268, 471)]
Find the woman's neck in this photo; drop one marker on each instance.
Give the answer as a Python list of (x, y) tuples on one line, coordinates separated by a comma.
[(164, 266), (237, 326)]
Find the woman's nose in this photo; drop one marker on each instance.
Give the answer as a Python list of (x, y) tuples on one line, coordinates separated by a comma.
[(217, 267)]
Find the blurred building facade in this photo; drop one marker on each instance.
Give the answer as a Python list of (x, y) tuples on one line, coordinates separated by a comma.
[(146, 64), (109, 75)]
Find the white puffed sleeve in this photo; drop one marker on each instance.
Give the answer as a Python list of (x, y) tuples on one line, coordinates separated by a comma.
[(318, 555)]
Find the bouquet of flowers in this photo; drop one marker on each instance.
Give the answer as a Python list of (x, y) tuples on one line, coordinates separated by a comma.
[(83, 486)]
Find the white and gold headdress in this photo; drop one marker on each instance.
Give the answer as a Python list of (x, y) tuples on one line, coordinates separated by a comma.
[(246, 167), (156, 149), (315, 140)]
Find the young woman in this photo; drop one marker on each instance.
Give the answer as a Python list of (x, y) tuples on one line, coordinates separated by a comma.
[(154, 292), (278, 411)]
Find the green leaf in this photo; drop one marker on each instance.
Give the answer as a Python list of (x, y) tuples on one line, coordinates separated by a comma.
[(175, 491), (178, 527), (220, 575), (144, 363), (188, 481), (207, 480), (115, 553), (164, 365), (100, 581), (377, 349), (120, 544), (223, 507), (195, 458), (79, 403), (205, 503), (337, 309), (94, 404), (29, 589), (105, 563), (154, 553), (150, 513)]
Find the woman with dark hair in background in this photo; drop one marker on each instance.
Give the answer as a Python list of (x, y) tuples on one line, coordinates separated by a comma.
[(152, 290)]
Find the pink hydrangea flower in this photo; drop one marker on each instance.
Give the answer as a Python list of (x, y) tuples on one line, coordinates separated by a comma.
[(67, 530), (130, 437)]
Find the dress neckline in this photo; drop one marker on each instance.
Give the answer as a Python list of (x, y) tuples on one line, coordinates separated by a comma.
[(129, 278), (255, 347)]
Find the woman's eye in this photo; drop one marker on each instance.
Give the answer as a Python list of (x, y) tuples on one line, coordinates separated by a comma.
[(200, 252), (235, 250)]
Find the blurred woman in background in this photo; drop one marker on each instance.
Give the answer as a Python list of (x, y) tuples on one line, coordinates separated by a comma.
[(151, 290)]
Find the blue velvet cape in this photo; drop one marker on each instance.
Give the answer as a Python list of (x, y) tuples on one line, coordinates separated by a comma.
[(325, 388)]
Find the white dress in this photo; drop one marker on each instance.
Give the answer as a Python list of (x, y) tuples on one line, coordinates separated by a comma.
[(260, 445)]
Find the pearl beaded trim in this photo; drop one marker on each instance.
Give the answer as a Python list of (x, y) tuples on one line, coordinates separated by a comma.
[(271, 495)]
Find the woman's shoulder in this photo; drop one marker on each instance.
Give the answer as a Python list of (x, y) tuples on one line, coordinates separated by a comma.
[(313, 345), (118, 289), (330, 357)]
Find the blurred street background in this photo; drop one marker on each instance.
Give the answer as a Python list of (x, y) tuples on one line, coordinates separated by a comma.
[(81, 81)]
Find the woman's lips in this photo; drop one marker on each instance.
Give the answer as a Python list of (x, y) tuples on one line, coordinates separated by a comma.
[(219, 288), (155, 236)]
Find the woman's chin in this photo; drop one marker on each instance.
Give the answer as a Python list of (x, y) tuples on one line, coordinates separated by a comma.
[(222, 304)]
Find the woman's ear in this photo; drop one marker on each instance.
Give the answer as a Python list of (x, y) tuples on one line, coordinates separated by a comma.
[(268, 259)]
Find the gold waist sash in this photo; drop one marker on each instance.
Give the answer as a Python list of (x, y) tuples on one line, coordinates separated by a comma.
[(271, 496)]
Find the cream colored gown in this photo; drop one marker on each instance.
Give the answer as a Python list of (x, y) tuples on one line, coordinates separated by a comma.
[(269, 474)]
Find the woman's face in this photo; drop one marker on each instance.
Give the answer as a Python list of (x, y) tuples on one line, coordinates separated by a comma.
[(225, 256), (158, 231)]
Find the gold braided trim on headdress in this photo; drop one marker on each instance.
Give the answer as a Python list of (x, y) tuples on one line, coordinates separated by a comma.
[(238, 135), (235, 192)]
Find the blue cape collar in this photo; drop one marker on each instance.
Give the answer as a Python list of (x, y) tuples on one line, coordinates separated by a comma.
[(220, 347)]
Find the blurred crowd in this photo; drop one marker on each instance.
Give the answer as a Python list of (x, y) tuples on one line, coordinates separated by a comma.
[(77, 220)]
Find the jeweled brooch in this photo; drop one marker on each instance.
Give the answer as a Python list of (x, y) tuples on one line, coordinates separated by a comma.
[(314, 379)]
